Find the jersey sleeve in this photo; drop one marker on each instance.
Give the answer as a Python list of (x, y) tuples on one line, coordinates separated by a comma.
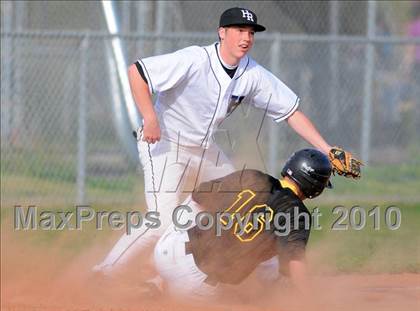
[(294, 225), (164, 72), (273, 96), (296, 243)]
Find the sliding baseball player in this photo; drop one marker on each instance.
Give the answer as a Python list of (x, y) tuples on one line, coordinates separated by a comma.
[(262, 218)]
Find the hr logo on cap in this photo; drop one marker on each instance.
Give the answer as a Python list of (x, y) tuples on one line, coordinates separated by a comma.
[(240, 16), (246, 14)]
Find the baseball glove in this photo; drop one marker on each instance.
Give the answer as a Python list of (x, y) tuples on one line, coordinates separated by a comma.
[(343, 163)]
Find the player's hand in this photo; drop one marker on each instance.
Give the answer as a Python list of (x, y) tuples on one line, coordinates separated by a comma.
[(151, 131)]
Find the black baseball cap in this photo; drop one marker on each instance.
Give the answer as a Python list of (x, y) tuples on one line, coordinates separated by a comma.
[(240, 16)]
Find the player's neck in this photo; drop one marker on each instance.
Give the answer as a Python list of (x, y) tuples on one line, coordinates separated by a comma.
[(288, 183)]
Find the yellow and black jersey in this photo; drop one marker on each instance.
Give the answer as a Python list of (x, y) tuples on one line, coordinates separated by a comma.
[(274, 222)]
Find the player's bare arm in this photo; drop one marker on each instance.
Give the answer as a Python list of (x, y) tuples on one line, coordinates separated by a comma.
[(342, 161), (143, 100), (301, 124)]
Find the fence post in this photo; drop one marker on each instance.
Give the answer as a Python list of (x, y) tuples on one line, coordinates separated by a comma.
[(18, 82), (367, 102), (82, 128), (334, 27), (6, 66), (124, 106), (126, 16), (144, 22), (161, 21), (273, 138)]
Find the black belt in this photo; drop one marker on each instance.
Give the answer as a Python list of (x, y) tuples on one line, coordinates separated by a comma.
[(212, 281)]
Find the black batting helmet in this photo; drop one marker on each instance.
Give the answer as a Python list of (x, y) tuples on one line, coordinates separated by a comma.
[(310, 169)]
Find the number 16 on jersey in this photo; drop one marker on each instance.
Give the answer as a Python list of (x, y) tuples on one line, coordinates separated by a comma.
[(253, 217)]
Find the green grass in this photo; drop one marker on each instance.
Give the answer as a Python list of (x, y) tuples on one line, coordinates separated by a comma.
[(380, 184), (52, 179), (68, 243), (18, 189), (402, 179), (28, 176), (369, 250)]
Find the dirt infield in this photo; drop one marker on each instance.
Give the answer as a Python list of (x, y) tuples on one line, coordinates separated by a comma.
[(346, 292), (45, 274), (34, 281)]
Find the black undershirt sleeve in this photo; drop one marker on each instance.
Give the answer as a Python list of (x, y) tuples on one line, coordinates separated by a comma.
[(292, 245), (141, 72)]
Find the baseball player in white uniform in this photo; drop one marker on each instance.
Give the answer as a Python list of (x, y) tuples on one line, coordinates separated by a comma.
[(197, 88)]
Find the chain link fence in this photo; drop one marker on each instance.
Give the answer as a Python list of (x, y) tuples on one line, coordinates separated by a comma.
[(59, 141)]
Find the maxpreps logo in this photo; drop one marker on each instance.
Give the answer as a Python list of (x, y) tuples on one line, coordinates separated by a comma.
[(234, 102)]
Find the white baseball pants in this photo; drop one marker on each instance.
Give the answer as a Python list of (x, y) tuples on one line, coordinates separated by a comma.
[(182, 278), (171, 172)]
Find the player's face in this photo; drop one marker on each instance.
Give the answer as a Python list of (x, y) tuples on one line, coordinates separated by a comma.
[(237, 40)]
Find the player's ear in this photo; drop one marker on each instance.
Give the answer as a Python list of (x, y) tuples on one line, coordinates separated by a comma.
[(222, 33)]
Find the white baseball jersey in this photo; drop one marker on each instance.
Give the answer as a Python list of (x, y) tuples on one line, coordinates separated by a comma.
[(195, 93)]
